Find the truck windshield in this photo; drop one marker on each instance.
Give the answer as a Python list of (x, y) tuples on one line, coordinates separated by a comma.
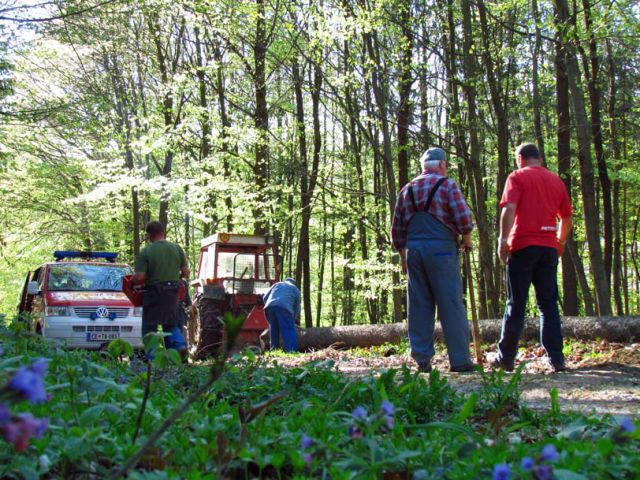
[(86, 277)]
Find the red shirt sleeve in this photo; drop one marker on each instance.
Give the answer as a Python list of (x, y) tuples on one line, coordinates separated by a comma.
[(511, 192), (565, 210)]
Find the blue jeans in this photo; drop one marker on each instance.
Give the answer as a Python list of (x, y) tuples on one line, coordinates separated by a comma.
[(281, 322), (537, 265), (176, 340), (434, 280)]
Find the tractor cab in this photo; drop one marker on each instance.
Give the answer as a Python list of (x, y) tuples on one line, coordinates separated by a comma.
[(232, 272)]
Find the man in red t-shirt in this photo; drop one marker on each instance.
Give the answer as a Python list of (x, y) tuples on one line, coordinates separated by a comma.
[(530, 243)]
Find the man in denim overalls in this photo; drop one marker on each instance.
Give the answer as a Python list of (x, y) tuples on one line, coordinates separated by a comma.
[(429, 216)]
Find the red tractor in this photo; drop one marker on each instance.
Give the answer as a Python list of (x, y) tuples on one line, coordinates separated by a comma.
[(232, 272)]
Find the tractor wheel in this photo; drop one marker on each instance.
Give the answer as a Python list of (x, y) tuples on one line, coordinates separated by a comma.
[(208, 330)]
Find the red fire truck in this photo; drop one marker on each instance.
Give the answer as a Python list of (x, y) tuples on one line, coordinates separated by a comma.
[(77, 300)]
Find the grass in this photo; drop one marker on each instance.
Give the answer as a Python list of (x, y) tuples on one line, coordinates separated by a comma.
[(251, 423)]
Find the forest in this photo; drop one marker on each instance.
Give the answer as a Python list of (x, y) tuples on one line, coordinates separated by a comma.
[(301, 120)]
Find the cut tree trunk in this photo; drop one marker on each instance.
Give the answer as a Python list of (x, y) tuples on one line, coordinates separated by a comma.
[(612, 329)]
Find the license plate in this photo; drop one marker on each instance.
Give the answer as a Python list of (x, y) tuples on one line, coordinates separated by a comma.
[(101, 337)]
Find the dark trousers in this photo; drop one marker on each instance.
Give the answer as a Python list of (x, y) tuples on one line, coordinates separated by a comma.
[(281, 322), (159, 308), (537, 265)]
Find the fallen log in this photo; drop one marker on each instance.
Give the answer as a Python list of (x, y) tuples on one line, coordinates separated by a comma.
[(612, 329)]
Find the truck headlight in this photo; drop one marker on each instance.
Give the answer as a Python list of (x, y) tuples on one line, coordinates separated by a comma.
[(137, 312), (57, 312)]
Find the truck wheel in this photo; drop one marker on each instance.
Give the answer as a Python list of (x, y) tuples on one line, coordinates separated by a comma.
[(209, 328)]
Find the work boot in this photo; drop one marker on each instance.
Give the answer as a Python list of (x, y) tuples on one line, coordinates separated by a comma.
[(466, 367), (424, 367), (557, 366), (504, 365)]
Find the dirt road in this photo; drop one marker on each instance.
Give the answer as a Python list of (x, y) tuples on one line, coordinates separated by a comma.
[(602, 378)]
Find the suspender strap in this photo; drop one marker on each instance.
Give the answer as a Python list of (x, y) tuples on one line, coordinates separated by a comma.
[(429, 199), (433, 192), (413, 199)]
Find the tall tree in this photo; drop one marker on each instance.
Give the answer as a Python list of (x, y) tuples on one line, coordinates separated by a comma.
[(584, 156)]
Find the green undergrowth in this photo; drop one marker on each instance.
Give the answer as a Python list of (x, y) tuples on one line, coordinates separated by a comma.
[(260, 420)]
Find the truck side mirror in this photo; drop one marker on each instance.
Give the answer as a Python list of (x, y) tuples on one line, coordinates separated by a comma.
[(33, 288)]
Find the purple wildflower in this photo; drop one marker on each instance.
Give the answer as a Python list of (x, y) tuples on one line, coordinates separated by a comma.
[(627, 425), (40, 366), (501, 471), (360, 413), (5, 414), (527, 464), (389, 422), (29, 383), (387, 408), (549, 453), (36, 426), (543, 472), (308, 458), (355, 432), (20, 431), (307, 442)]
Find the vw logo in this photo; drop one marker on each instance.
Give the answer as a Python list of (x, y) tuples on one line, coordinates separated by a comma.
[(102, 312)]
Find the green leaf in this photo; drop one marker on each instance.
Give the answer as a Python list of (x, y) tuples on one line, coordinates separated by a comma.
[(119, 347), (152, 341), (277, 460), (91, 415), (605, 446), (560, 474), (468, 408), (166, 357), (446, 426)]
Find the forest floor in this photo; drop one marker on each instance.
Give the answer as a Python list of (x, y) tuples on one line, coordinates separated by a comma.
[(601, 378)]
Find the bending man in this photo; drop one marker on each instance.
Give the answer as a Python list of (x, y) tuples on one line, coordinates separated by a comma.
[(282, 306), (429, 216)]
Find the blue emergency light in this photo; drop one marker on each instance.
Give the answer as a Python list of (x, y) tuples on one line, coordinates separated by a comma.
[(62, 254)]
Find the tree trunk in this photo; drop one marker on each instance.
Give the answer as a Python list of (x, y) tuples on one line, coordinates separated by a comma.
[(596, 129), (321, 261), (353, 112), (303, 239), (611, 329), (499, 100), (473, 165), (225, 133), (576, 260), (205, 125), (261, 120), (167, 111), (381, 96), (405, 106), (563, 135), (535, 81), (586, 165), (617, 254)]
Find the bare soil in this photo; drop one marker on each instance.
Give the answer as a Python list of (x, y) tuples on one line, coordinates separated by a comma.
[(602, 377)]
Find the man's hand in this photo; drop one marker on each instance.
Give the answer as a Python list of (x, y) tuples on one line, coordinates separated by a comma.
[(561, 246), (184, 273), (503, 250), (466, 244)]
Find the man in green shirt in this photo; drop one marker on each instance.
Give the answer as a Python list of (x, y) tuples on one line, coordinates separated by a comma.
[(160, 266)]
